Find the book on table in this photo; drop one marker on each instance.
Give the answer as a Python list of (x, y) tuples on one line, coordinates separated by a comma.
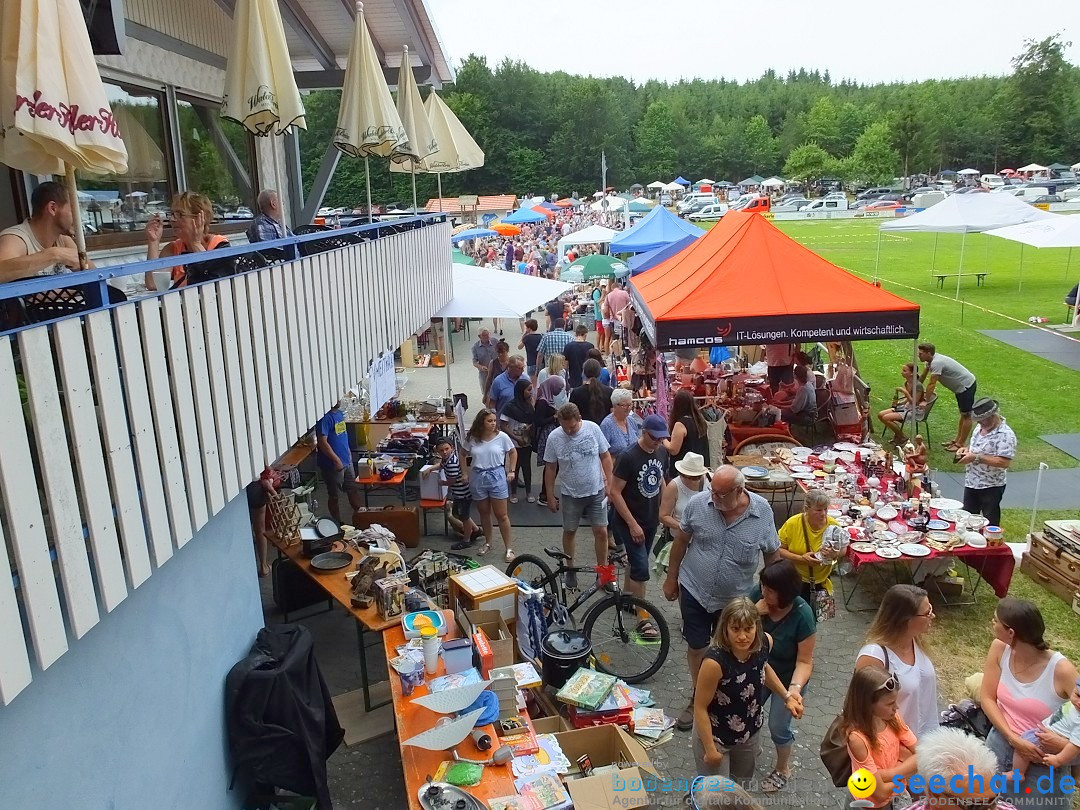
[(587, 689)]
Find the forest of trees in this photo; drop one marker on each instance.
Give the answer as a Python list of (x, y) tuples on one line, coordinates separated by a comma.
[(544, 132)]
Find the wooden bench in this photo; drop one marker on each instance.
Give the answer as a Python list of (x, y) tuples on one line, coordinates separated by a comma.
[(942, 276)]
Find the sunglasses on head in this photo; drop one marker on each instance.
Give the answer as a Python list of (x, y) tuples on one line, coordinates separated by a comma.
[(890, 685)]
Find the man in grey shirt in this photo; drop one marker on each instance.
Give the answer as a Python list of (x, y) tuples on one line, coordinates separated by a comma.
[(725, 534), (578, 452), (942, 368), (483, 352)]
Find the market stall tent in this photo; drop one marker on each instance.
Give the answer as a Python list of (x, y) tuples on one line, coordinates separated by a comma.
[(746, 282), (646, 261), (656, 229), (593, 235)]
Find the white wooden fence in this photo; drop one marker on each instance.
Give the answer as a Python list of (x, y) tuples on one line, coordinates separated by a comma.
[(144, 420)]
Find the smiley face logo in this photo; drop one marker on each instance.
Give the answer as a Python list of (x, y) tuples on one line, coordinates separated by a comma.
[(861, 783)]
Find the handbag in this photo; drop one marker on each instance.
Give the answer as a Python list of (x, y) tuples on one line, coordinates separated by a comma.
[(833, 749)]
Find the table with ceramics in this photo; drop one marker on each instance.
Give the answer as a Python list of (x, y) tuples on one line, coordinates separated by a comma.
[(888, 530)]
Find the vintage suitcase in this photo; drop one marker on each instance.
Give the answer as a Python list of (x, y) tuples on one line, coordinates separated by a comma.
[(1057, 560), (403, 521)]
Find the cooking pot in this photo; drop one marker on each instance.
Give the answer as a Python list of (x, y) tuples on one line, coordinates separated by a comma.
[(565, 652)]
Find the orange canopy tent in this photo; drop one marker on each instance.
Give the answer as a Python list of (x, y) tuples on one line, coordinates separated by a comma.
[(547, 212), (747, 282)]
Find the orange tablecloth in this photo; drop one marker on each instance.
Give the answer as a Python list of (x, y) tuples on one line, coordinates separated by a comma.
[(419, 763)]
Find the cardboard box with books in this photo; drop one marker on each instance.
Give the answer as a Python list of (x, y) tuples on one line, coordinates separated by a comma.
[(613, 787)]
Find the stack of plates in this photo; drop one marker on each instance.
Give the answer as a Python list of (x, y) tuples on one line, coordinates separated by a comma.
[(755, 472), (801, 468), (914, 550), (957, 516), (945, 503), (846, 447)]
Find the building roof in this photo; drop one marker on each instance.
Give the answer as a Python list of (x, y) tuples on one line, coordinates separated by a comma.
[(450, 205)]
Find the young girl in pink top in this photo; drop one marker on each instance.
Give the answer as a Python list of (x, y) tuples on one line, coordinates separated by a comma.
[(878, 738)]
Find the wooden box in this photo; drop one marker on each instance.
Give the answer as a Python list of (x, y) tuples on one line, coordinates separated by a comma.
[(1047, 577), (485, 588), (403, 521)]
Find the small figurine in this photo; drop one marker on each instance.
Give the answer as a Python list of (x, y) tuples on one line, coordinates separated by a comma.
[(916, 454)]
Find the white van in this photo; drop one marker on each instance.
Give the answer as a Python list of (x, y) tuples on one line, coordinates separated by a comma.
[(991, 181), (825, 204), (694, 196)]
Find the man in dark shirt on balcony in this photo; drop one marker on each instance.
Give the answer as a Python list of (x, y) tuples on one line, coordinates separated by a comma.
[(268, 225), (41, 245)]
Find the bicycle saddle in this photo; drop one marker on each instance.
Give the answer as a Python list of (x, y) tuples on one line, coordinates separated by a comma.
[(556, 554)]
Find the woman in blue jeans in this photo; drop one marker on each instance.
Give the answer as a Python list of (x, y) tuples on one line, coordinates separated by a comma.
[(789, 619)]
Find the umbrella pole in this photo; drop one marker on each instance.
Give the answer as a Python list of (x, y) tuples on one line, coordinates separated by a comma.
[(877, 257), (446, 358), (1021, 285), (80, 237), (959, 273), (1068, 264), (438, 179), (367, 176)]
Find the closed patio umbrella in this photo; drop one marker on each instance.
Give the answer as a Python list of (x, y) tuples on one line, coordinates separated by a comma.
[(368, 122), (260, 90), (46, 67), (414, 118)]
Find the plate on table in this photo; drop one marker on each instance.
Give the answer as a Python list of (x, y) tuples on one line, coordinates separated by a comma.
[(834, 513), (886, 536), (829, 455), (888, 552), (864, 548), (911, 537), (820, 473), (914, 550), (939, 537), (846, 456), (803, 476), (846, 447), (801, 468), (938, 525), (804, 452), (887, 512), (755, 472), (754, 380), (331, 560), (957, 516), (898, 526), (945, 503)]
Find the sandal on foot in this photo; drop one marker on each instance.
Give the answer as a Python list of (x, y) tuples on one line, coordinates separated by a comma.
[(531, 499), (509, 555), (648, 630), (513, 499), (774, 781), (484, 549)]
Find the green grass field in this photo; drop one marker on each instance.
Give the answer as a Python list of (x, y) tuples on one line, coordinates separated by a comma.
[(1037, 396)]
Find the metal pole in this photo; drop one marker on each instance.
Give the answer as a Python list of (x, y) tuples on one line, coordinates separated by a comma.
[(877, 257), (438, 177), (73, 199), (1021, 286), (1035, 506), (933, 260), (367, 177), (963, 244), (413, 188), (446, 359)]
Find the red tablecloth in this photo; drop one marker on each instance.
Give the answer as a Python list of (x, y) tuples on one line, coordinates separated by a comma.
[(994, 563)]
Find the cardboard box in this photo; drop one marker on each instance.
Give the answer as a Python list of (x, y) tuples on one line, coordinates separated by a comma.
[(552, 725), (607, 745), (498, 634), (432, 483)]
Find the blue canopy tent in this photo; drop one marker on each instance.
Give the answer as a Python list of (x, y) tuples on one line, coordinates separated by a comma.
[(472, 233), (647, 261), (657, 228), (524, 216), (682, 181)]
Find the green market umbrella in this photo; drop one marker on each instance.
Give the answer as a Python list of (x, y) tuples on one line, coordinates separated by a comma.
[(457, 257), (599, 266)]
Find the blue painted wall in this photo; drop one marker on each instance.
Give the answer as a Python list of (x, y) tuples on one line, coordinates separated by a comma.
[(132, 716)]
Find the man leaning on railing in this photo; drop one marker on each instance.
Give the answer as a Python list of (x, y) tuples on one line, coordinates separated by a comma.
[(23, 251)]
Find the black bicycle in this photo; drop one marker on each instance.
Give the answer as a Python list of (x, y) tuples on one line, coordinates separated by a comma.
[(629, 636)]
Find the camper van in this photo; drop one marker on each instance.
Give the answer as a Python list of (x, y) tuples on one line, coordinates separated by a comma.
[(991, 181), (826, 205)]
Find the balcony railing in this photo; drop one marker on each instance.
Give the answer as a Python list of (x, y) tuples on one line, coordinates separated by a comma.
[(127, 426)]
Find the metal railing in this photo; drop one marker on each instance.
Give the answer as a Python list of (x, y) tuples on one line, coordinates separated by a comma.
[(128, 425)]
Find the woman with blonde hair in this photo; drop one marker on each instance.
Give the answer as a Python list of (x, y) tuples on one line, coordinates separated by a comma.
[(191, 216), (895, 642), (555, 367)]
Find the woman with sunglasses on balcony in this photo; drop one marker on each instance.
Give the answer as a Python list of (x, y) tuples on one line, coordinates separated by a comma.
[(191, 216), (1024, 682), (878, 739), (895, 642)]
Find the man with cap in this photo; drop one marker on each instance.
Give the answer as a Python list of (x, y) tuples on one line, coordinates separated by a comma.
[(335, 460), (635, 491), (987, 458), (724, 536)]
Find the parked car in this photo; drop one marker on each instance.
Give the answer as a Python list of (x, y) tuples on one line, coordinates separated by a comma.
[(1044, 199), (829, 203), (836, 195), (884, 205), (709, 213), (873, 192), (696, 206), (693, 197), (1071, 194), (665, 200), (790, 205)]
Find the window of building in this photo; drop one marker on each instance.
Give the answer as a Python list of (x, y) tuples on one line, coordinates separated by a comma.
[(219, 158)]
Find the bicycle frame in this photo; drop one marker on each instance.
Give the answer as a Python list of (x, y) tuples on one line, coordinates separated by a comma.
[(583, 596)]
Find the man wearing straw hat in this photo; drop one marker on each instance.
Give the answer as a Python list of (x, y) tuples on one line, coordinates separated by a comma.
[(41, 245), (987, 458)]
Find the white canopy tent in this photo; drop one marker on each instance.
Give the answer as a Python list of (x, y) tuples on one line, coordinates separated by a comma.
[(1032, 167), (1055, 232), (705, 181), (593, 235), (657, 184), (480, 292), (964, 214), (774, 182), (1075, 167), (968, 172), (673, 186), (613, 204)]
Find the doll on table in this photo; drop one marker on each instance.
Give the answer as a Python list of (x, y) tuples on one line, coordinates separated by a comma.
[(916, 456)]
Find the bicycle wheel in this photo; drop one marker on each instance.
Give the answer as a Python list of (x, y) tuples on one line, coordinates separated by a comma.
[(533, 571), (613, 626)]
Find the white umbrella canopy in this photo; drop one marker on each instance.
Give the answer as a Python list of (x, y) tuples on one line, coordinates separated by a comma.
[(481, 292), (1056, 231), (368, 123), (414, 118), (457, 151), (968, 172), (774, 182), (54, 114), (260, 89), (672, 186), (705, 181), (1032, 167), (656, 184)]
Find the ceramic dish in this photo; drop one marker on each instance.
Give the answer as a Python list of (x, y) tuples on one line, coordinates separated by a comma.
[(846, 447), (847, 457), (820, 473), (898, 526), (804, 452), (829, 455), (911, 537), (938, 525), (803, 476), (887, 513), (914, 550), (888, 553), (939, 537), (975, 540), (865, 511), (801, 468), (886, 536), (863, 548), (957, 516), (844, 520), (754, 380), (331, 561), (976, 523), (945, 503), (755, 472), (834, 513)]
